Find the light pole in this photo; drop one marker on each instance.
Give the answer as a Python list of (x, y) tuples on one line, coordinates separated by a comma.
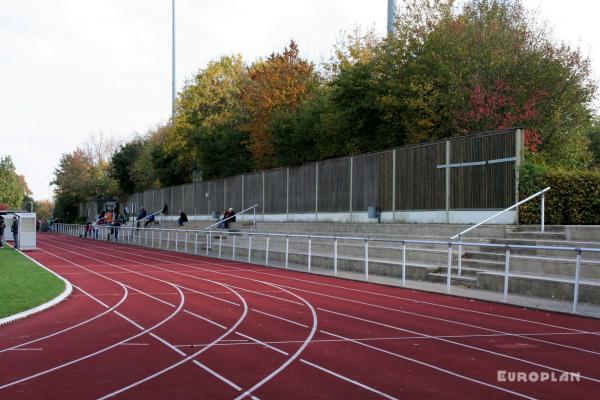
[(173, 88), (391, 17)]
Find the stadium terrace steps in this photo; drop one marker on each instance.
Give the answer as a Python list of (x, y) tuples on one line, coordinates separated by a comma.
[(539, 272)]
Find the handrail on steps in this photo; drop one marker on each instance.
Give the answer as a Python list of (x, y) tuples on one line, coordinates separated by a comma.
[(236, 214), (541, 192), (459, 235)]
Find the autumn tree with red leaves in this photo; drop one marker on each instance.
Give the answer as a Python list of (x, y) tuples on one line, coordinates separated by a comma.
[(281, 82)]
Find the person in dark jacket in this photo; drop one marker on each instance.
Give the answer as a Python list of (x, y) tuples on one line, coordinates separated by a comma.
[(182, 218), (141, 215), (2, 226), (15, 231)]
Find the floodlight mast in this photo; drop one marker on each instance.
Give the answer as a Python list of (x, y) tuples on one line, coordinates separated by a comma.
[(391, 17), (173, 88)]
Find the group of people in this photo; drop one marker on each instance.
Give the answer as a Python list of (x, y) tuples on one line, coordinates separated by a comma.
[(112, 219), (115, 220), (14, 229)]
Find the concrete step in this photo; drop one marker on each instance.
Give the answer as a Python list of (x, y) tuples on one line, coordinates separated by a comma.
[(565, 267), (455, 279), (535, 228), (374, 229), (554, 287), (378, 266), (536, 235)]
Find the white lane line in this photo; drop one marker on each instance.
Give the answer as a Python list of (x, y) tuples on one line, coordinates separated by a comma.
[(401, 298), (456, 343), (264, 380), (369, 388), (196, 277), (135, 344), (294, 356), (443, 370), (264, 344), (323, 369), (367, 339), (219, 376), (154, 258), (124, 296), (186, 359), (406, 299), (103, 350), (158, 337), (448, 320), (25, 349), (278, 317), (205, 319)]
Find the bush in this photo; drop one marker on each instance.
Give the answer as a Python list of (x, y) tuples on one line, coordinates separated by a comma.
[(574, 197)]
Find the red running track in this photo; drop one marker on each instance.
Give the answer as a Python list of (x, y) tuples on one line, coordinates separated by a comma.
[(151, 324)]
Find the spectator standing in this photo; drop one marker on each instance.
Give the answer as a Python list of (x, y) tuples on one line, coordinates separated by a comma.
[(87, 230), (15, 231), (2, 226), (182, 218)]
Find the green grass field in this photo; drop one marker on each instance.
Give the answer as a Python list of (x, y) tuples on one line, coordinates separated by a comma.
[(23, 284)]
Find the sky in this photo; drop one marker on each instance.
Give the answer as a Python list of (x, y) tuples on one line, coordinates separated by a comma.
[(74, 68)]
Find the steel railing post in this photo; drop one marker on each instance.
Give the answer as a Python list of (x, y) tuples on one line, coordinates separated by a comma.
[(543, 213), (196, 244), (576, 283), (220, 243), (366, 259), (249, 247), (207, 242), (233, 252), (309, 252), (185, 248), (160, 239), (152, 239), (459, 255), (506, 272), (176, 241), (168, 239), (287, 250), (449, 276), (335, 257), (403, 264), (267, 251)]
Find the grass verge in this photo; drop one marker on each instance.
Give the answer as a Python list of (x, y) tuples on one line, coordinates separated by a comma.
[(24, 284)]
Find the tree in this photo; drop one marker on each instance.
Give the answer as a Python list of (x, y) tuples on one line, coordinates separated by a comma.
[(485, 66), (122, 164), (78, 178), (593, 135), (13, 187), (44, 209), (210, 117), (282, 81)]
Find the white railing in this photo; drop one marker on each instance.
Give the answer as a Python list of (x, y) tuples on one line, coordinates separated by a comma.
[(533, 196), (185, 240), (253, 208)]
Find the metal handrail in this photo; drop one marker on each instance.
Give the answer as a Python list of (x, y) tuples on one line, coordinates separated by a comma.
[(135, 221), (146, 237), (234, 215), (541, 192)]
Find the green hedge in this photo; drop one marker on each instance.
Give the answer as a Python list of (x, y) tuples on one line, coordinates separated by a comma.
[(574, 197)]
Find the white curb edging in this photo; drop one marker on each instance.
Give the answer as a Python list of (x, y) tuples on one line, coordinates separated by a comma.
[(41, 307)]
